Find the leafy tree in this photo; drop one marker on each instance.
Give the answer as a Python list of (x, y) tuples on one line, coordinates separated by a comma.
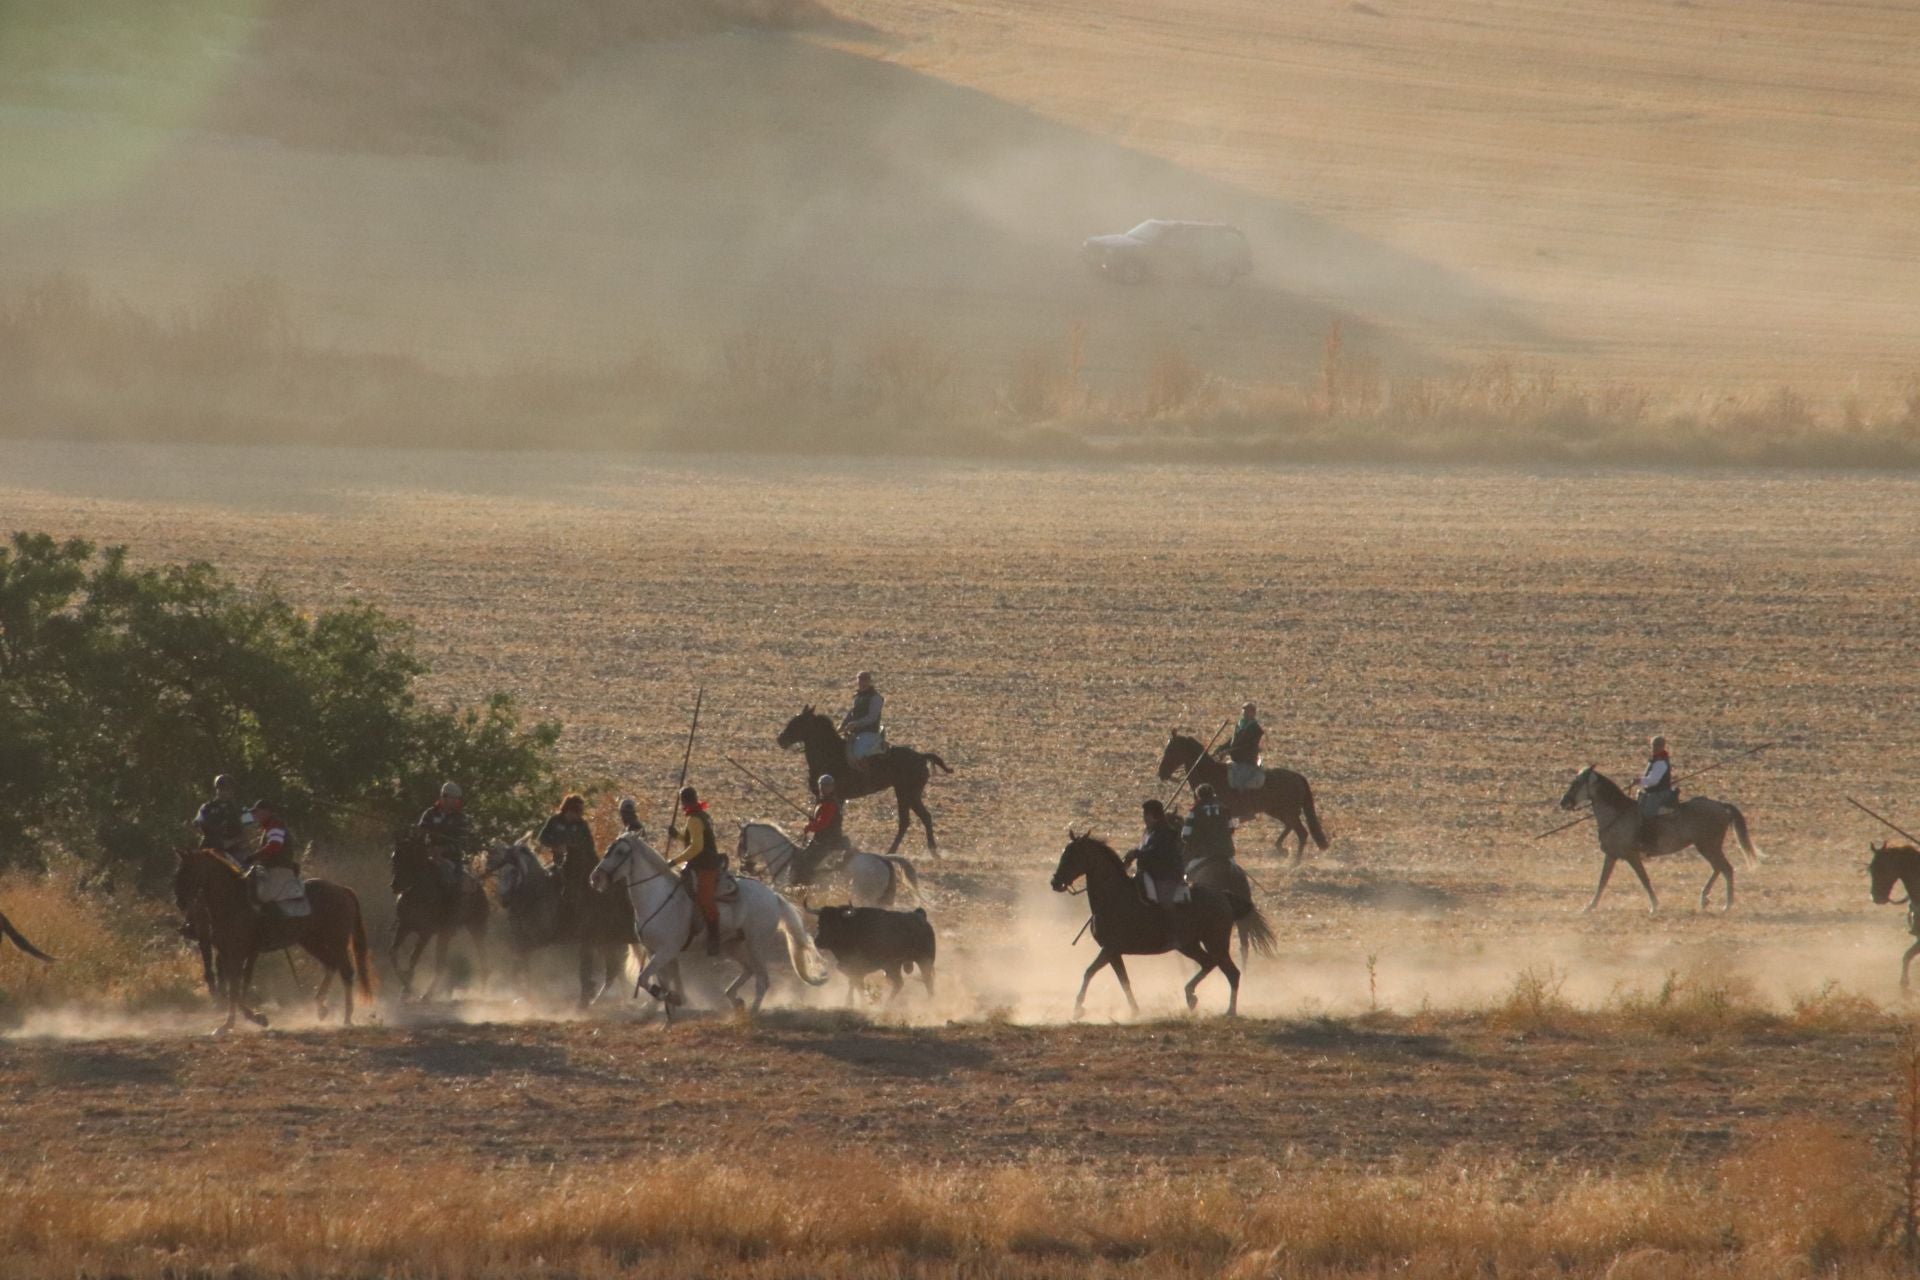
[(123, 690)]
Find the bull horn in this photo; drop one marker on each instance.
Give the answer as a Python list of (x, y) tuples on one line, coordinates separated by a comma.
[(1876, 847)]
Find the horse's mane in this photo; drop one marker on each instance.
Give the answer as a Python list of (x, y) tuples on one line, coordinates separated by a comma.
[(1091, 845), (775, 827), (1608, 787), (1178, 739), (640, 846)]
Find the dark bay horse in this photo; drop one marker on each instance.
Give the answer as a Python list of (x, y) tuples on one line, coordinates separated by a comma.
[(1226, 876), (1286, 797), (426, 910), (902, 769), (540, 913), (1698, 823), (1891, 863), (1125, 924), (207, 887)]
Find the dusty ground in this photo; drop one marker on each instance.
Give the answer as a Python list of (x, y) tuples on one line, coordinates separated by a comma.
[(1437, 651)]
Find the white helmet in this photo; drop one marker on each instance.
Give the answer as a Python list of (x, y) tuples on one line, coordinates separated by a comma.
[(449, 791), (826, 782)]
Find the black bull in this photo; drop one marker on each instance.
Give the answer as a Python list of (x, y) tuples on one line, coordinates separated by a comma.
[(865, 940)]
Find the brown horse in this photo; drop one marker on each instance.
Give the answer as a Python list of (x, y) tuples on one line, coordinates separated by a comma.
[(1285, 797), (208, 887), (1898, 862), (1126, 924), (1698, 823), (900, 769), (426, 909)]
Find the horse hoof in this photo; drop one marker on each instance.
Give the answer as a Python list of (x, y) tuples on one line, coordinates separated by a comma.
[(739, 1005)]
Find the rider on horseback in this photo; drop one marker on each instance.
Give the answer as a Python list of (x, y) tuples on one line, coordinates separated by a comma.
[(1243, 750), (865, 735), (220, 820), (825, 831), (1208, 832), (271, 871), (629, 816), (569, 841), (1658, 790), (703, 863), (449, 835), (1163, 874)]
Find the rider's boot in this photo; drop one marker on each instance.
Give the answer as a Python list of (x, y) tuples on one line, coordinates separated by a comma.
[(713, 937)]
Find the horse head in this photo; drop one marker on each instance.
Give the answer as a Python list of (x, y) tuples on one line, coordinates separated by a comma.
[(1076, 860), (795, 734), (1179, 753), (1886, 868), (1579, 791)]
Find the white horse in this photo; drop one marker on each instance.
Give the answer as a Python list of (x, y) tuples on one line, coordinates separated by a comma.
[(874, 879), (665, 917)]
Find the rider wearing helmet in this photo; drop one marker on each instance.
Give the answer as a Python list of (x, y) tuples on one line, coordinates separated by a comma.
[(220, 821), (1243, 751), (629, 816), (448, 833), (703, 862)]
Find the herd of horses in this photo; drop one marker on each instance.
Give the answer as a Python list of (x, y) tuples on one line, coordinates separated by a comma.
[(637, 906)]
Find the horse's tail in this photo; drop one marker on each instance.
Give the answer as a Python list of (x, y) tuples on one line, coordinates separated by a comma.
[(1313, 818), (1254, 929), (362, 962), (933, 759), (1747, 846), (807, 960), (14, 936), (904, 869)]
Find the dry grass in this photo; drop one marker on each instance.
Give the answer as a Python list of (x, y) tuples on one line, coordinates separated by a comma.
[(1793, 1198), (112, 952), (237, 368)]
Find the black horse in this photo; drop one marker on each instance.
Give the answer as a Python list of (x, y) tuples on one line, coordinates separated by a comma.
[(1126, 924), (1898, 862), (544, 912), (427, 909), (902, 769)]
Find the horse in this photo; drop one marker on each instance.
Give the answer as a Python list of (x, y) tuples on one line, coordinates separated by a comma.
[(18, 939), (539, 914), (1899, 862), (1698, 823), (207, 886), (903, 769), (1224, 875), (427, 910), (1284, 796), (1126, 924), (874, 879), (751, 924)]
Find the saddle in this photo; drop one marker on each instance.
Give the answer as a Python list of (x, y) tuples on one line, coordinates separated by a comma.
[(1245, 777), (281, 890)]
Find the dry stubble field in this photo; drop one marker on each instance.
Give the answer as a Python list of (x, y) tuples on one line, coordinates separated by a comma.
[(1437, 650)]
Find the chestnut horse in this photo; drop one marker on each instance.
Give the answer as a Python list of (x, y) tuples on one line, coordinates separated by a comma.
[(208, 887), (1285, 796)]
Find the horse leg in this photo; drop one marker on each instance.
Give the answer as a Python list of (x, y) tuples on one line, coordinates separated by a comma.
[(1716, 858), (926, 821), (1100, 962), (479, 937), (905, 817), (1905, 961), (588, 991), (899, 984), (1120, 972), (1232, 970), (1203, 956), (1606, 874), (1640, 869)]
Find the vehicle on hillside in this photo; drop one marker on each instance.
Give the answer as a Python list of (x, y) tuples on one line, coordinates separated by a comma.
[(1167, 251)]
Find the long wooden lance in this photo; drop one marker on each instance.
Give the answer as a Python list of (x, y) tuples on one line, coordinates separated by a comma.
[(1588, 815), (685, 760), (769, 788), (1205, 753), (1882, 821)]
